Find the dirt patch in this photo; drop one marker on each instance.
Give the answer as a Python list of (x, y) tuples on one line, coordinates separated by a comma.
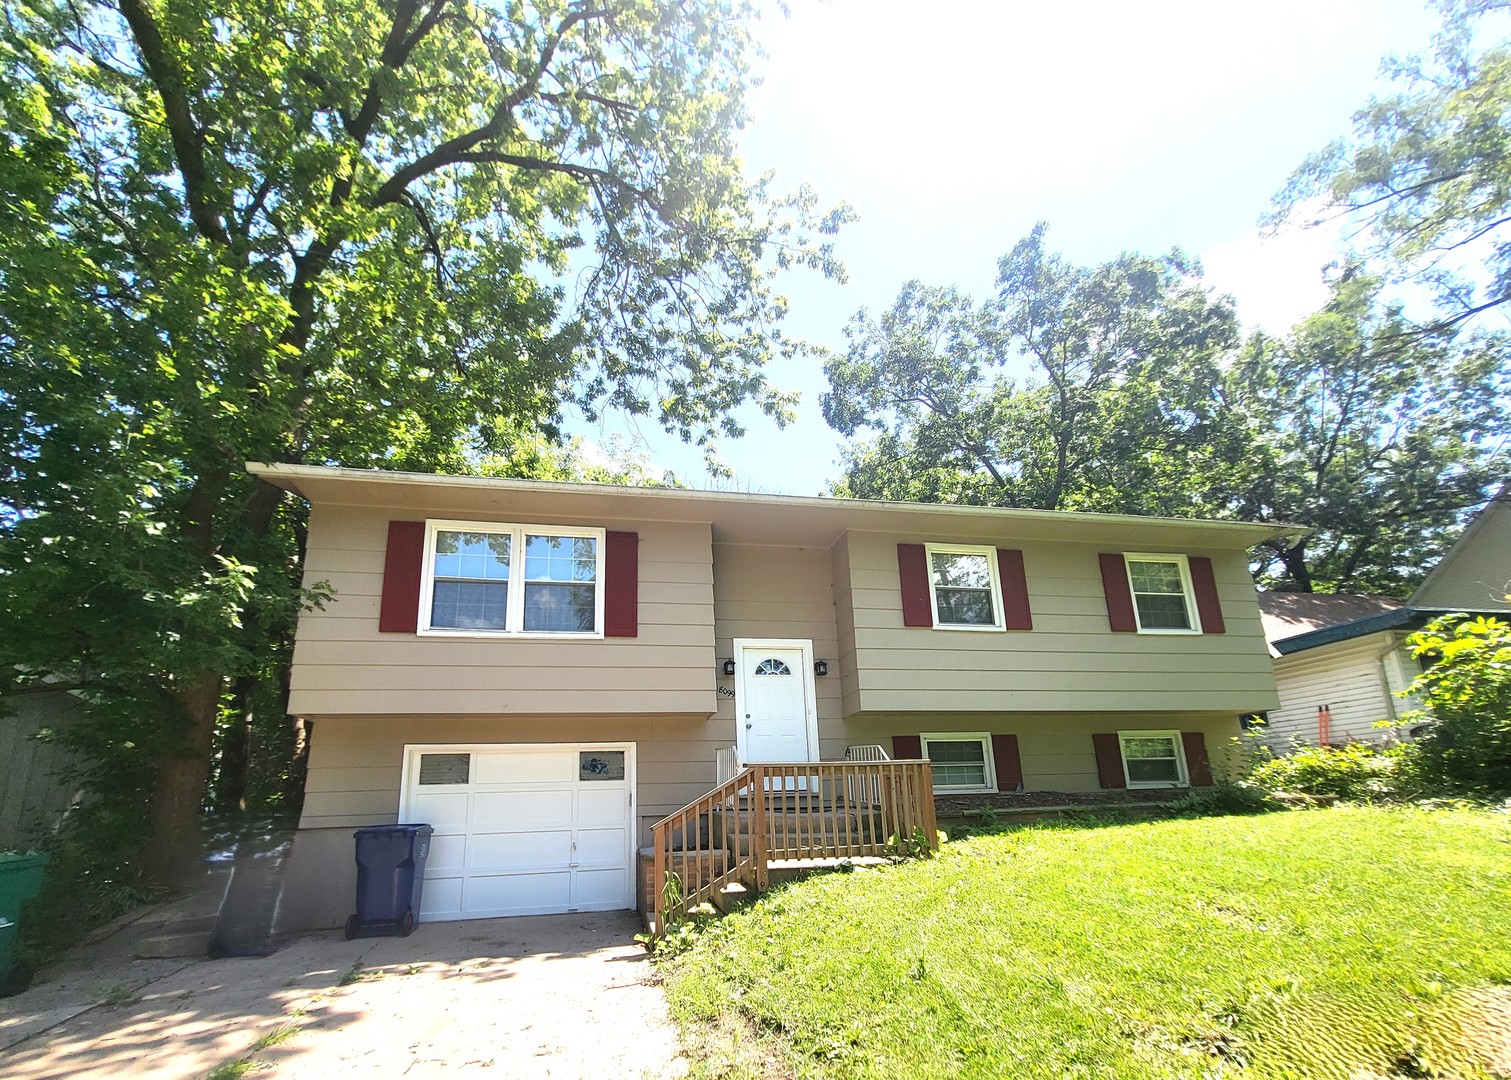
[(1485, 1025)]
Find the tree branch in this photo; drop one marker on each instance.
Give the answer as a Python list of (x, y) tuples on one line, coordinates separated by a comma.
[(188, 139)]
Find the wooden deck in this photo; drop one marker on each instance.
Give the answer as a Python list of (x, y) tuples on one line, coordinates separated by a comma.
[(805, 813)]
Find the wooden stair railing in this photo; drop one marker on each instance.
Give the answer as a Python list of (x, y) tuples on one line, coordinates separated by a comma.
[(817, 810)]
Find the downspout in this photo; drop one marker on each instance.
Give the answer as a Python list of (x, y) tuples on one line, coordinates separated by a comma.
[(1390, 697)]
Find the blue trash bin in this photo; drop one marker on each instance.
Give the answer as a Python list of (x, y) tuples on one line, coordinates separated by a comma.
[(390, 875)]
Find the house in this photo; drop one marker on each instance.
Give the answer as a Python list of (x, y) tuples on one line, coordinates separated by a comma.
[(543, 671), (1341, 661)]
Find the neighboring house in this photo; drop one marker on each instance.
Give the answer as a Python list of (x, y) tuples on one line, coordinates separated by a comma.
[(1341, 661), (38, 778), (544, 670)]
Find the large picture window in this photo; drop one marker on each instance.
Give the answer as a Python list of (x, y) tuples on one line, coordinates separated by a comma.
[(1163, 601), (964, 587), (960, 762), (512, 579), (1154, 759)]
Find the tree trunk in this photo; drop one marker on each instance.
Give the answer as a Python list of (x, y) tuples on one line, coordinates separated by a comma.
[(175, 842)]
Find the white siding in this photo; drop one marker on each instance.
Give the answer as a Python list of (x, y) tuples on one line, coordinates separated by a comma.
[(1356, 679)]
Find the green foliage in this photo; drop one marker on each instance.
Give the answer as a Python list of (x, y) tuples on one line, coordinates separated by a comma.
[(1120, 403), (1225, 797), (1376, 438), (1466, 701), (1148, 950), (1142, 399), (1355, 771), (397, 235), (1425, 175)]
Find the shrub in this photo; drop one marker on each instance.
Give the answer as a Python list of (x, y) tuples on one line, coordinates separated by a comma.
[(1226, 797), (1355, 771), (1466, 699)]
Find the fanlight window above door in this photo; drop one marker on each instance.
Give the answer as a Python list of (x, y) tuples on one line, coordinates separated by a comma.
[(772, 666)]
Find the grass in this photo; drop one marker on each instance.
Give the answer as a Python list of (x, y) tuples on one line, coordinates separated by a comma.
[(1353, 943)]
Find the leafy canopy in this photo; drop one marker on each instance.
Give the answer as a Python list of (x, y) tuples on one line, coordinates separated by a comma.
[(1425, 176), (400, 234)]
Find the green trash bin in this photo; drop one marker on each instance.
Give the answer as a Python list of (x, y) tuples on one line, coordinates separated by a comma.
[(20, 878)]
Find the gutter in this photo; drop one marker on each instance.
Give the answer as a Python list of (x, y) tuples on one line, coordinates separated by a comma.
[(1405, 618)]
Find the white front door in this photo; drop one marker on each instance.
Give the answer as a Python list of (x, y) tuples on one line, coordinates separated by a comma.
[(523, 829), (775, 715)]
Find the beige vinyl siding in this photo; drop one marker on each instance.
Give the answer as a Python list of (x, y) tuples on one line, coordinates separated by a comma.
[(1356, 679), (844, 624), (779, 592), (355, 772), (1475, 575), (1070, 661), (1056, 749), (343, 665)]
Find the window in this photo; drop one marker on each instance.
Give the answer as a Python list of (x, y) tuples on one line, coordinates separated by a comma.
[(1153, 758), (963, 587), (1163, 601), (961, 762), (512, 579), (772, 666)]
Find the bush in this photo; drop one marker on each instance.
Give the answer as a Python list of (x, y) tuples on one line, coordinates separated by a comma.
[(1226, 797), (1466, 698), (1355, 771)]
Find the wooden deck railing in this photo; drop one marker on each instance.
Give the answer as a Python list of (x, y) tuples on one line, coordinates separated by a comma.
[(818, 810)]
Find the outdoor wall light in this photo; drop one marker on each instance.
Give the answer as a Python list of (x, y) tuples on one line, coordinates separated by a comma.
[(729, 666), (821, 667)]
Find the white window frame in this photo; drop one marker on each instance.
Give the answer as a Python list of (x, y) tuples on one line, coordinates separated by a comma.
[(515, 616), (1180, 759), (991, 565), (984, 738), (1193, 616)]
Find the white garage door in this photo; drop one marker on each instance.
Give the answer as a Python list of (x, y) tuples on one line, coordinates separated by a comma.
[(523, 830)]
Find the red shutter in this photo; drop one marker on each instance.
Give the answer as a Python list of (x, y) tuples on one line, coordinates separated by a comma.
[(1206, 595), (1015, 608), (621, 584), (1119, 594), (1198, 765), (907, 747), (399, 612), (913, 572), (1009, 764), (1109, 760)]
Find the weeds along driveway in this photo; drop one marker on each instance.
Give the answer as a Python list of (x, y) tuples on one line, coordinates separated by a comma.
[(558, 996)]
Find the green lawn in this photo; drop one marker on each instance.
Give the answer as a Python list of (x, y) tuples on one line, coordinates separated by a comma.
[(1352, 943)]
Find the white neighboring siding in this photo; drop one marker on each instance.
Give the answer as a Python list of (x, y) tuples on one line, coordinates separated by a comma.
[(1348, 678)]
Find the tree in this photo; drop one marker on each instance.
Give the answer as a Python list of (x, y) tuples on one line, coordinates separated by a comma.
[(1426, 175), (337, 231), (1119, 412), (1143, 400), (1378, 438)]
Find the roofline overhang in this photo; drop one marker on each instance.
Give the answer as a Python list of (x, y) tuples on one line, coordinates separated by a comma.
[(365, 482), (1402, 618)]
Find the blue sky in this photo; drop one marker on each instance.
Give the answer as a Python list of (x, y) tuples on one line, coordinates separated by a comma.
[(952, 128)]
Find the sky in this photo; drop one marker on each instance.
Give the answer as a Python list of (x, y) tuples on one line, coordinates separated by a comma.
[(952, 127)]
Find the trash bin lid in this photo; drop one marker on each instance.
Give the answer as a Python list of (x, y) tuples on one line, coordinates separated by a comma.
[(392, 830)]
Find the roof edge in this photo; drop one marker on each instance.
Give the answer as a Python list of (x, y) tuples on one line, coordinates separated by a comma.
[(288, 477)]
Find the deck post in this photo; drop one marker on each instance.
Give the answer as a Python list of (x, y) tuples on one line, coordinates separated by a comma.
[(758, 848)]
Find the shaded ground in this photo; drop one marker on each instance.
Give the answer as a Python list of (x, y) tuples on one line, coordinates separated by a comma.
[(558, 996)]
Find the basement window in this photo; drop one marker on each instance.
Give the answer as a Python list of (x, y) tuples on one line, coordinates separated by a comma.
[(961, 762)]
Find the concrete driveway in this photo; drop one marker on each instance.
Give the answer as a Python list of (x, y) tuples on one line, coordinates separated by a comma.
[(548, 996)]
